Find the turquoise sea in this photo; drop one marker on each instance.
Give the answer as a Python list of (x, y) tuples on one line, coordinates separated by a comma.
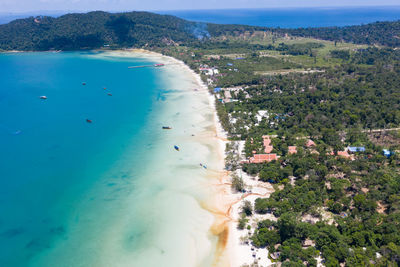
[(106, 193)]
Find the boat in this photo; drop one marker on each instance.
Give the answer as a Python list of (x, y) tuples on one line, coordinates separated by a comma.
[(109, 94), (83, 83), (166, 128), (159, 65), (89, 121), (43, 97), (176, 148)]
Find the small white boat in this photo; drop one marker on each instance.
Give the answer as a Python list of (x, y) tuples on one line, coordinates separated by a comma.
[(43, 97)]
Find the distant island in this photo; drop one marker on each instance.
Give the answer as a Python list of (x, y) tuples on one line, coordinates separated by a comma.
[(312, 118)]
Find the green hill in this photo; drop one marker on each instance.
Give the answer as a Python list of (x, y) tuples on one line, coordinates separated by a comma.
[(94, 30), (144, 29)]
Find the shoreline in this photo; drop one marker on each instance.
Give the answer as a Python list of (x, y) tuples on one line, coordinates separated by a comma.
[(218, 208), (221, 202), (225, 204), (222, 197)]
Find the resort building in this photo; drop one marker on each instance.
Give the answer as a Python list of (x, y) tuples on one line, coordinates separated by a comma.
[(355, 149), (261, 158), (310, 143), (292, 149), (267, 144)]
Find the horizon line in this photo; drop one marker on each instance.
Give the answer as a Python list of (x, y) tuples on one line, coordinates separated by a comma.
[(203, 9)]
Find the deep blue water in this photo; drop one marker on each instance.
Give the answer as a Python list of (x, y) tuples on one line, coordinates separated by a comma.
[(50, 157), (292, 17)]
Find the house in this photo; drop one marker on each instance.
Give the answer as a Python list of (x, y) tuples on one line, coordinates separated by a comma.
[(310, 143), (308, 243), (228, 96), (387, 153), (261, 158), (209, 71), (261, 114), (292, 149), (355, 149), (344, 154), (267, 144), (217, 89)]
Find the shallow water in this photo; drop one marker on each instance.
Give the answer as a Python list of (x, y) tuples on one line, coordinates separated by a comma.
[(113, 192)]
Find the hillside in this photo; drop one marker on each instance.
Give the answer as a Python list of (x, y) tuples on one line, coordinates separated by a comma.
[(143, 29), (93, 30)]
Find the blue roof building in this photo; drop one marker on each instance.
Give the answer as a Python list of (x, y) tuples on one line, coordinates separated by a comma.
[(229, 64), (354, 149), (217, 89), (387, 153)]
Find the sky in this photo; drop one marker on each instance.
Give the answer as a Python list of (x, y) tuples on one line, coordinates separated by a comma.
[(17, 6)]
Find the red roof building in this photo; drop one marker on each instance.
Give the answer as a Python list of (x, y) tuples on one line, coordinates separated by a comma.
[(292, 150), (310, 143), (344, 154), (261, 158), (267, 144)]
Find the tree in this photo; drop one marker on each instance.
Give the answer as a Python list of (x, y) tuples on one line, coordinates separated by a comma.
[(247, 208), (287, 224), (237, 183)]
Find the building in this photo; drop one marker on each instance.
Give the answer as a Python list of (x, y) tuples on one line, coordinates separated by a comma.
[(308, 243), (292, 149), (261, 158), (344, 154), (228, 96), (355, 149), (267, 144), (310, 143), (217, 89), (261, 114), (209, 71), (387, 153)]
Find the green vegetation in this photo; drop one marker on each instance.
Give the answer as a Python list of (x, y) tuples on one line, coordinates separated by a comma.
[(94, 30), (142, 29), (343, 210), (296, 84), (237, 183), (378, 33)]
